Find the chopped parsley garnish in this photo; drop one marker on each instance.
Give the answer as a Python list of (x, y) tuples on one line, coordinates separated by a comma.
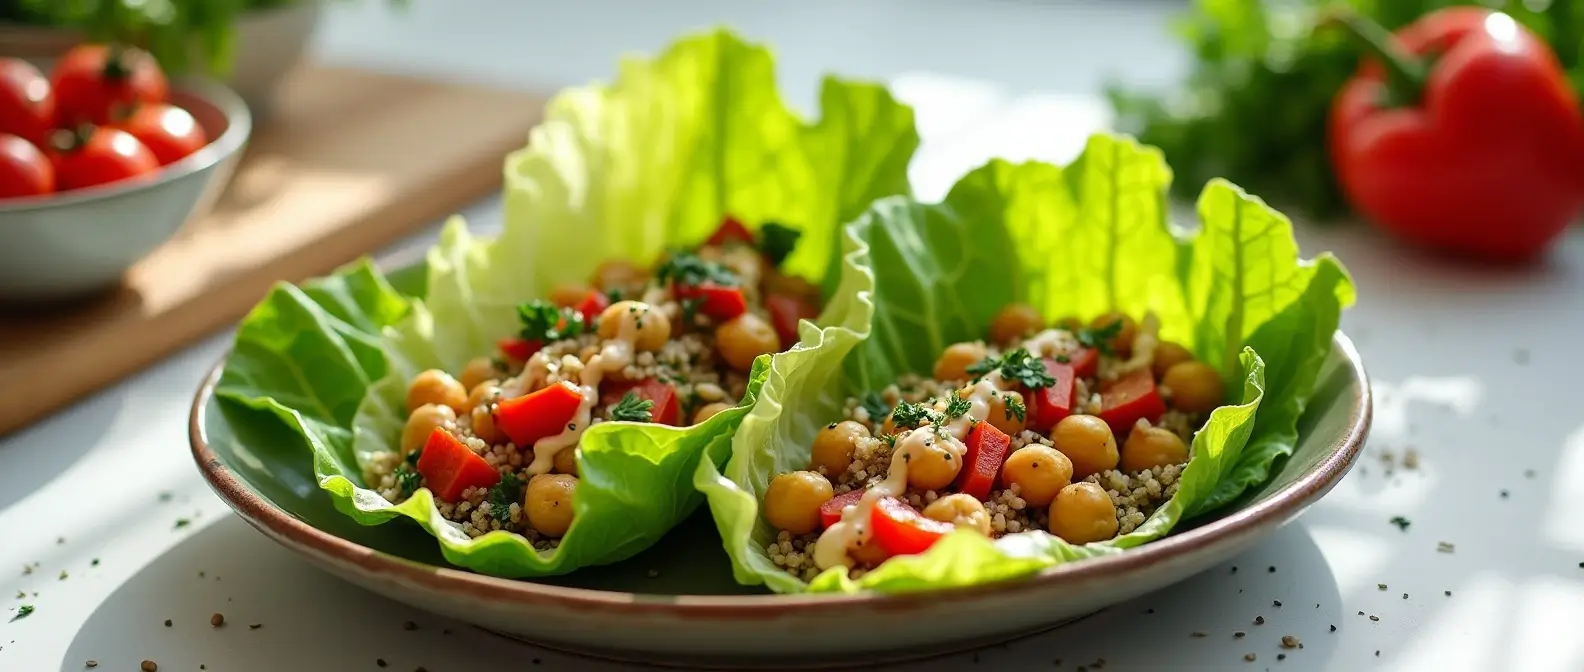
[(503, 494), (890, 440), (1099, 338), (412, 457), (876, 406), (911, 416), (956, 406), (633, 409), (544, 322), (408, 479), (686, 268), (23, 611), (1401, 523), (1015, 408), (614, 294), (776, 241), (1015, 366)]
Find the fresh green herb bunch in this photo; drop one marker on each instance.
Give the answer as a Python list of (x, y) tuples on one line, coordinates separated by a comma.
[(1254, 106)]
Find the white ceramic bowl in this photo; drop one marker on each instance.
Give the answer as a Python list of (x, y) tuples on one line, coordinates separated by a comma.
[(75, 243)]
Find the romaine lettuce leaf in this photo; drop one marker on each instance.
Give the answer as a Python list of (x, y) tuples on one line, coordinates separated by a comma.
[(1080, 240), (651, 161)]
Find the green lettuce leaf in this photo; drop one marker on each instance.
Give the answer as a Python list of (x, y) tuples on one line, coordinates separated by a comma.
[(625, 170), (1079, 240)]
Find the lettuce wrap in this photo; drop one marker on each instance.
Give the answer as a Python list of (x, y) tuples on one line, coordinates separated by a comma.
[(625, 170), (1084, 239)]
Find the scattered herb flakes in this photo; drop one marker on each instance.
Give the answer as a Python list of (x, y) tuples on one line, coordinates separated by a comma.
[(149, 666), (1198, 633), (380, 662), (1259, 620), (23, 611), (1445, 547), (1249, 656), (1405, 596), (1505, 494), (632, 409), (181, 523), (1289, 642), (94, 563), (255, 626), (1401, 522), (1333, 627), (1381, 586), (1449, 593), (217, 619), (1410, 459), (1276, 603), (167, 622), (409, 625), (1234, 569), (165, 496), (1373, 617), (1281, 656), (62, 576), (1271, 569), (1239, 634)]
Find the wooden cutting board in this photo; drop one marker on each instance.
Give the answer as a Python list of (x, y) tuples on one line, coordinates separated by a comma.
[(347, 163)]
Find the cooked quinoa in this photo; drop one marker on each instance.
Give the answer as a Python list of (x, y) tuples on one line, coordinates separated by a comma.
[(1103, 494)]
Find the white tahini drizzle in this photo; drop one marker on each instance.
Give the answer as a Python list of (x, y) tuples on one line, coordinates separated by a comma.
[(614, 356), (852, 530), (1143, 345)]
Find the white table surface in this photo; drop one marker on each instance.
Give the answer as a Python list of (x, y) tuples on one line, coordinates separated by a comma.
[(1472, 369)]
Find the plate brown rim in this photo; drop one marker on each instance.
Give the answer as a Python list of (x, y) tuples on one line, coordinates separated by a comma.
[(1277, 509)]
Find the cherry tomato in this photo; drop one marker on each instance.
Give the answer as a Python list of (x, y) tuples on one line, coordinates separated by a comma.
[(24, 170), (168, 131), (100, 156), (26, 107), (99, 84)]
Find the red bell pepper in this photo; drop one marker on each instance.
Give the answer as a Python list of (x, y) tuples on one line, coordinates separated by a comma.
[(1127, 399), (785, 312), (592, 304), (518, 349), (987, 450), (543, 413), (831, 510), (1048, 405), (448, 467), (731, 230), (1462, 135), (902, 531), (666, 407), (1085, 362), (721, 302)]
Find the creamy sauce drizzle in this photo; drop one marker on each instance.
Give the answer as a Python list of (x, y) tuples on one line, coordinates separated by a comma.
[(614, 356), (852, 530), (1143, 345)]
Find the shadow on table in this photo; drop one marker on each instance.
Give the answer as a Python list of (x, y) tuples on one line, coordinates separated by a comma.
[(36, 455)]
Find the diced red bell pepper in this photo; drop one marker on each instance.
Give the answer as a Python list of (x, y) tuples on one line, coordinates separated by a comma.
[(543, 413), (987, 449), (1085, 362), (1127, 399), (592, 304), (1048, 405), (666, 409), (902, 531), (448, 467), (785, 312), (831, 510), (720, 302), (731, 230), (518, 349)]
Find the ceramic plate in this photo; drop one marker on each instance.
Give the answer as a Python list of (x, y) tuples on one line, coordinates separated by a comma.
[(676, 603)]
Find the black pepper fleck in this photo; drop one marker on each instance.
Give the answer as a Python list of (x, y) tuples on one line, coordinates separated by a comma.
[(167, 622), (1239, 634), (1259, 620), (1272, 569), (409, 625), (1333, 627), (1276, 602), (1281, 656), (380, 662)]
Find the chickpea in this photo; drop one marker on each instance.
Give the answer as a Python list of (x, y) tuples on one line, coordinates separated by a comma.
[(1069, 323), (565, 461), (1009, 423), (618, 274), (484, 425), (548, 503), (955, 360), (1150, 447), (1122, 343), (1087, 441), (960, 510), (793, 501), (1039, 471), (1167, 355), (422, 422), (1083, 513), (567, 296), (1013, 322), (833, 446), (478, 370), (486, 394), (436, 387), (1195, 387), (708, 411), (649, 328), (934, 467), (745, 337)]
